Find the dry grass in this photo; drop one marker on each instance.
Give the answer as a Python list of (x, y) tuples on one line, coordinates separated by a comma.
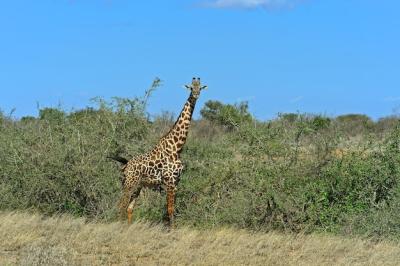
[(35, 240)]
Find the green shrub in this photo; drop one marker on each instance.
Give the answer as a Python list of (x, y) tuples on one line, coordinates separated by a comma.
[(27, 119), (355, 124), (51, 114), (283, 174), (386, 124), (227, 115), (289, 117)]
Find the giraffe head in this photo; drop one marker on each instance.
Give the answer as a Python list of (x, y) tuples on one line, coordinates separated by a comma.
[(195, 87)]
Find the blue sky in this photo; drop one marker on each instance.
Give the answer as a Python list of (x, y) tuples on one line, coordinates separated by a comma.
[(321, 56)]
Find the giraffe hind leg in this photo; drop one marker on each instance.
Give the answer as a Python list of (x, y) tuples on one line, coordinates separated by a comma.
[(127, 202), (130, 209)]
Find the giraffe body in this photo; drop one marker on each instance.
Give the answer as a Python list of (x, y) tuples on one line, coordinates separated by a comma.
[(160, 167)]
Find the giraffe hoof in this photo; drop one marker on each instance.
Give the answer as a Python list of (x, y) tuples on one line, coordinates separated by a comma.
[(171, 224)]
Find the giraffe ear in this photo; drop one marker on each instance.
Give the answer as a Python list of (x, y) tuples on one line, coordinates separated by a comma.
[(204, 87), (186, 87)]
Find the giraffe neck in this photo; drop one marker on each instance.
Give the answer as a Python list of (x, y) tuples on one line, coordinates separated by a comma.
[(178, 134)]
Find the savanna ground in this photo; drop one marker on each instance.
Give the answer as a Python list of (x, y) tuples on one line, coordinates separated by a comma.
[(323, 189), (63, 240)]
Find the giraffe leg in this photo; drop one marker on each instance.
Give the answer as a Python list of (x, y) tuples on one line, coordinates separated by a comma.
[(171, 193), (130, 210), (124, 202), (171, 180), (128, 200), (131, 205)]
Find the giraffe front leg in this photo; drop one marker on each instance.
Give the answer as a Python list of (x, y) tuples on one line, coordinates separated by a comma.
[(171, 181), (171, 193)]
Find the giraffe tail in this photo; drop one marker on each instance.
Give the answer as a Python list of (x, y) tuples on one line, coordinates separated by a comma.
[(118, 159)]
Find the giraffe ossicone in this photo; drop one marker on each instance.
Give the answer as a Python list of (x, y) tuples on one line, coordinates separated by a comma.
[(161, 166)]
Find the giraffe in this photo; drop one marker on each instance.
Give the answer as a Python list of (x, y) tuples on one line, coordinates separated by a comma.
[(161, 166)]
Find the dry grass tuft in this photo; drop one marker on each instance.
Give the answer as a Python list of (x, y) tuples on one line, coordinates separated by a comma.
[(30, 239)]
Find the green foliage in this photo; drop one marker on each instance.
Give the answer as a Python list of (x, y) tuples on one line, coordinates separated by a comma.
[(51, 115), (386, 123), (320, 122), (299, 172), (289, 117), (227, 115), (58, 163), (357, 118), (3, 119), (355, 124), (27, 119)]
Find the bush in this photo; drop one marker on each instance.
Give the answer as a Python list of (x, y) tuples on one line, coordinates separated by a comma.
[(283, 174), (386, 124), (289, 117), (227, 115), (58, 163), (355, 124), (51, 115)]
